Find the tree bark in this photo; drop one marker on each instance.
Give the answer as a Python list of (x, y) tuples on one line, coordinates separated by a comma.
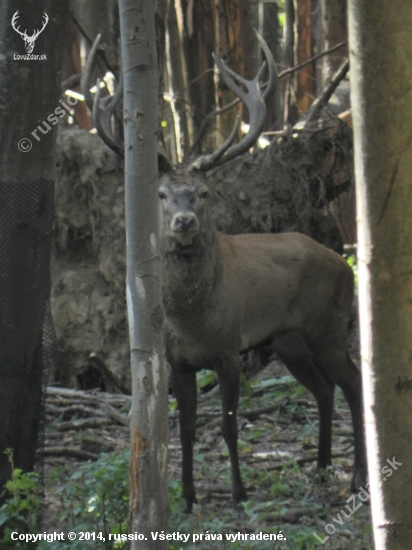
[(381, 77), (290, 114), (196, 21), (179, 79), (334, 30), (160, 20), (149, 414), (305, 83), (268, 28), (228, 46)]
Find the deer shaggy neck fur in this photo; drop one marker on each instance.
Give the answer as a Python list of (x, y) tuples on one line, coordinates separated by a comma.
[(190, 273)]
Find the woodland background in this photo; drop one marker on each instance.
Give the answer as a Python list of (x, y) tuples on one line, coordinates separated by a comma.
[(299, 177)]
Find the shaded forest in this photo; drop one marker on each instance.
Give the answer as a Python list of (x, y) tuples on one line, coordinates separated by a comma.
[(299, 177)]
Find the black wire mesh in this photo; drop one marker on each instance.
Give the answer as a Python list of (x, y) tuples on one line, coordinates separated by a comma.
[(27, 341)]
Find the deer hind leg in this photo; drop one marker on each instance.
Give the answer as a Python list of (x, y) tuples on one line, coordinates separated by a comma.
[(347, 376), (298, 358), (185, 390), (229, 380)]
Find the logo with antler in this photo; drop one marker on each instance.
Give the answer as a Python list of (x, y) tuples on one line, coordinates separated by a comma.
[(29, 41)]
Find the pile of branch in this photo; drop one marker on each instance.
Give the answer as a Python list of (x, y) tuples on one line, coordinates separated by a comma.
[(72, 416), (81, 425)]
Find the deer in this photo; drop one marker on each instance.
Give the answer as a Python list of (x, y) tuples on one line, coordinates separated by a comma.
[(226, 294), (29, 41)]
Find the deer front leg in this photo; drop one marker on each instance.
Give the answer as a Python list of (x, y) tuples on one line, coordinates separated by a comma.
[(229, 379), (185, 390)]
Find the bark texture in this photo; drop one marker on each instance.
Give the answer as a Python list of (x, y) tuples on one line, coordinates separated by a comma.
[(149, 423), (334, 30), (305, 82), (381, 76)]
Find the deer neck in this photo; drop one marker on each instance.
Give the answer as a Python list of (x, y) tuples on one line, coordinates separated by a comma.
[(190, 275)]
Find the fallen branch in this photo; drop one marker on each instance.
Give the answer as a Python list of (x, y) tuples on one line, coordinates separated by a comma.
[(75, 409), (80, 424), (67, 451), (115, 414)]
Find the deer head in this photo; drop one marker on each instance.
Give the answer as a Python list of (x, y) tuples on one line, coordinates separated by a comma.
[(29, 41)]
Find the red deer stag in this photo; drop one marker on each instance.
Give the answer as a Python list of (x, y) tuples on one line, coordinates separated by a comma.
[(223, 295)]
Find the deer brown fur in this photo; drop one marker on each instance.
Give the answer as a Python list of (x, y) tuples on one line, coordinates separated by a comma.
[(225, 294)]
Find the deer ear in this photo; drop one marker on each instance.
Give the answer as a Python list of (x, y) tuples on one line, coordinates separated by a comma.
[(164, 164)]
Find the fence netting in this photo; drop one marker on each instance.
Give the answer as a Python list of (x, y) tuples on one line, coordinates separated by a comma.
[(27, 340)]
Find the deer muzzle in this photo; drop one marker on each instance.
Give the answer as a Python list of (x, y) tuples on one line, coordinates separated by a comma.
[(184, 226)]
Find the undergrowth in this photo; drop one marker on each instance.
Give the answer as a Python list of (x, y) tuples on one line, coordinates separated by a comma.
[(95, 498)]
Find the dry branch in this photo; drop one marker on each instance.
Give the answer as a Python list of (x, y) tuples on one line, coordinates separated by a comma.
[(327, 92), (67, 451), (81, 424), (115, 414)]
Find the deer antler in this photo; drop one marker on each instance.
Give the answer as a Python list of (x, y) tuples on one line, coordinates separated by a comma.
[(102, 108), (255, 103), (13, 24)]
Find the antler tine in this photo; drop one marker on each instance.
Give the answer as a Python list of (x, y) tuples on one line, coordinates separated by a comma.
[(273, 72), (255, 103), (102, 108), (85, 80), (206, 162), (102, 115)]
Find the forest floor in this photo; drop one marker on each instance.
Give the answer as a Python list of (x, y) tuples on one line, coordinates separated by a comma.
[(278, 426)]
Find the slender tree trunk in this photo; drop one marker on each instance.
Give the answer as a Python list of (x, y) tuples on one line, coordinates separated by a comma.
[(305, 82), (228, 45), (72, 65), (381, 77), (178, 79), (248, 39), (290, 114), (268, 28), (334, 30), (161, 20), (199, 48), (149, 414)]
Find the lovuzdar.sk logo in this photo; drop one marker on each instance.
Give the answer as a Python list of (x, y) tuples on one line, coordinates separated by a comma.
[(29, 41)]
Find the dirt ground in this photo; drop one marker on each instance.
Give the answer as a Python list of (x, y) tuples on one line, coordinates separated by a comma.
[(277, 425), (277, 441)]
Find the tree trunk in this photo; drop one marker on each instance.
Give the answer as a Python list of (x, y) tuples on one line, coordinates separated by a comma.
[(149, 414), (305, 83), (334, 30), (160, 20), (290, 113), (228, 46), (179, 79), (248, 21), (196, 21), (29, 93), (268, 28), (72, 66), (381, 77)]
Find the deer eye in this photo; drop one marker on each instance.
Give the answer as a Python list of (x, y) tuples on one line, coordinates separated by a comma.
[(161, 195), (204, 194)]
